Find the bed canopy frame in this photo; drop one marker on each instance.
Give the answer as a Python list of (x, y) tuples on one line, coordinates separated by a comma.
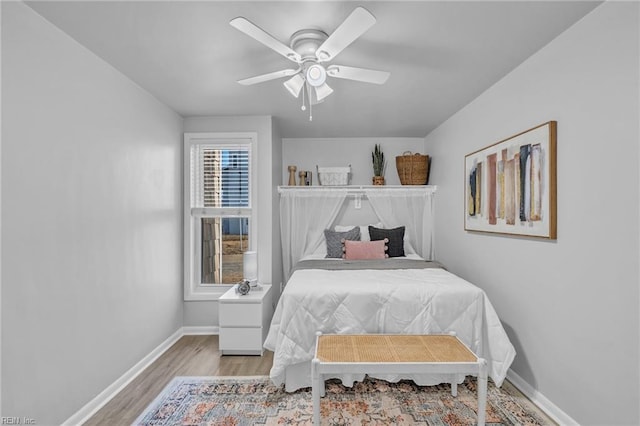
[(305, 212)]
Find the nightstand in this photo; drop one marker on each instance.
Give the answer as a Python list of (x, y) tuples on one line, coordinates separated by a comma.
[(244, 320)]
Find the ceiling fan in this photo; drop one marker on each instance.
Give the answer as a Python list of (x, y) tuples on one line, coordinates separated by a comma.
[(311, 50)]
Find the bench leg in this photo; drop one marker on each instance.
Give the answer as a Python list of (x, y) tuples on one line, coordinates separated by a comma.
[(315, 391), (482, 391), (454, 386)]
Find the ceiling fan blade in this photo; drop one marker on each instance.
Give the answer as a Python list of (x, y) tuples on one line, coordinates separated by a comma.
[(322, 92), (257, 33), (266, 77), (294, 85), (358, 74), (353, 27)]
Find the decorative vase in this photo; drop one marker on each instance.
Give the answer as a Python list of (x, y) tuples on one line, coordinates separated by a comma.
[(292, 175), (378, 180)]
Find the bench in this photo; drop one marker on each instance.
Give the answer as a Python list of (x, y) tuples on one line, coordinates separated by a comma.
[(395, 354)]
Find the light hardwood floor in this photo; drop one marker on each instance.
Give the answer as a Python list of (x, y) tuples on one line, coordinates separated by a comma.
[(189, 356)]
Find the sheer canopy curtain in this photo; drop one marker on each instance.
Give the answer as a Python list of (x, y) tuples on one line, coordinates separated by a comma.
[(304, 215), (411, 208)]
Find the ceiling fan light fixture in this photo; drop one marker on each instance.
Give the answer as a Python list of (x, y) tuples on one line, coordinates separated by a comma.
[(323, 91), (294, 85), (316, 75)]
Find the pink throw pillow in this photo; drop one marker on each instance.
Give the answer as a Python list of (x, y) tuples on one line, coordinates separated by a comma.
[(365, 250)]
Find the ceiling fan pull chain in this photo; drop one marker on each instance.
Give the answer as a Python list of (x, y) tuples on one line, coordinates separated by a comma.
[(303, 107)]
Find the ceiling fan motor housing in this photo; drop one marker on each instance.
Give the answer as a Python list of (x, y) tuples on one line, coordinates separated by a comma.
[(306, 43)]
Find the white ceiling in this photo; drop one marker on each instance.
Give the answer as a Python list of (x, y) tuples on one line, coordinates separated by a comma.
[(441, 56)]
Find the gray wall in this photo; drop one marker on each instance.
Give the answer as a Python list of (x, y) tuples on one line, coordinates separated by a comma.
[(205, 313), (570, 306), (91, 209)]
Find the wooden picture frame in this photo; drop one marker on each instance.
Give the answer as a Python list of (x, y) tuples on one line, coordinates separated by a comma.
[(510, 186)]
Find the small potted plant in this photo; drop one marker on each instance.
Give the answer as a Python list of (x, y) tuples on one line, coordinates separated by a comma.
[(378, 165)]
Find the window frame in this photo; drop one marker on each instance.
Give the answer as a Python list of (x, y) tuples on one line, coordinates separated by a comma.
[(194, 289)]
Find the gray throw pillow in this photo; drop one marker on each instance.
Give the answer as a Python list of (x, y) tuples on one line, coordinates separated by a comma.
[(395, 236), (334, 240)]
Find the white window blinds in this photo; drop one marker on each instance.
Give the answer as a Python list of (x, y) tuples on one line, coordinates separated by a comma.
[(221, 175)]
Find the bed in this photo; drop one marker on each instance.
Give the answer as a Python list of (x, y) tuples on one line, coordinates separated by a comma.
[(393, 296), (404, 295)]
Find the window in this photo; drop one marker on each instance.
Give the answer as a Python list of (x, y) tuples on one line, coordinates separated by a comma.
[(219, 216)]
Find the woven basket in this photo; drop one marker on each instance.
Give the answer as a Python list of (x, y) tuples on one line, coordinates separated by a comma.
[(413, 169)]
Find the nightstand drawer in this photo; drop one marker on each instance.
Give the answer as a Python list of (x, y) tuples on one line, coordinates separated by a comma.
[(241, 339), (240, 314)]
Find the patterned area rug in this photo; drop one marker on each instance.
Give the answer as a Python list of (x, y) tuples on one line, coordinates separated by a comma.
[(255, 401)]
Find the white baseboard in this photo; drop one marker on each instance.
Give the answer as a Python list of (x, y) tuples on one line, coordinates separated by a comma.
[(200, 331), (540, 400), (112, 390)]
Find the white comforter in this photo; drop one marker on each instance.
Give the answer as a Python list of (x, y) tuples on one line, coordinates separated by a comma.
[(412, 301)]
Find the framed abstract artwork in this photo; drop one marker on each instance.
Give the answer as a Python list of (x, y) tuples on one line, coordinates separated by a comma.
[(510, 186)]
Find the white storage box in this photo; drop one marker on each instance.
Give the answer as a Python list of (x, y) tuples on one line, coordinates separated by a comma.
[(334, 176)]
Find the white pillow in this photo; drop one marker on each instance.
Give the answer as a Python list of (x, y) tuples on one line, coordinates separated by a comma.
[(364, 230)]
